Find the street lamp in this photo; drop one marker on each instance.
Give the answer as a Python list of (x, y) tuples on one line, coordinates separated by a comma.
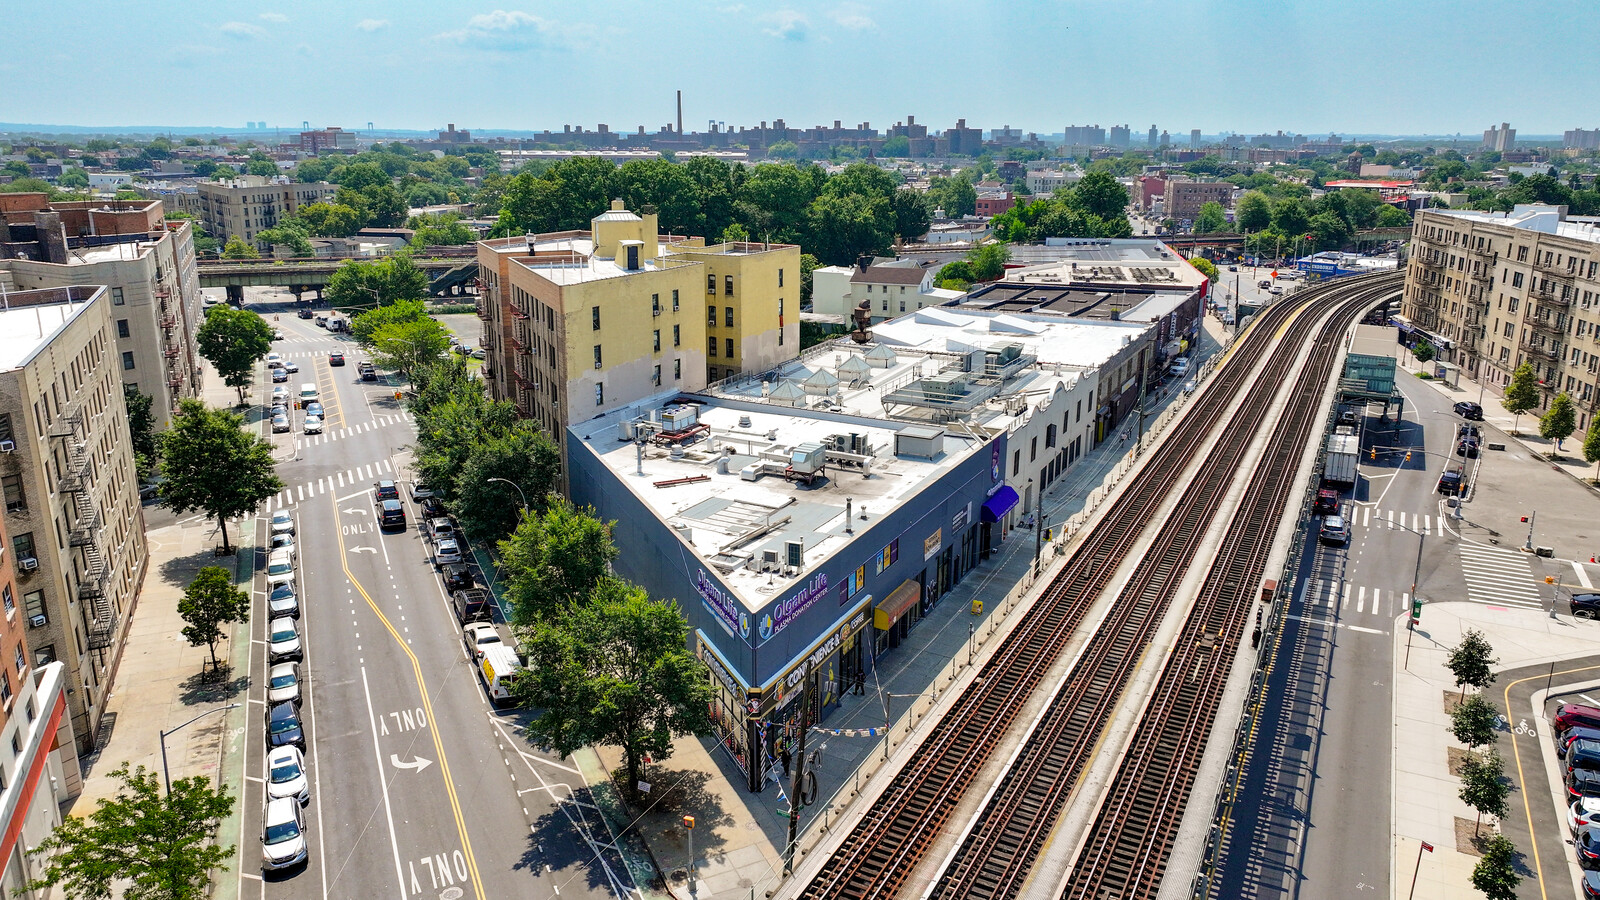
[(515, 485), (165, 776)]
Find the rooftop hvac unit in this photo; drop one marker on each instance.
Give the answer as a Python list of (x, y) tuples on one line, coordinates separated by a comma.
[(769, 560), (795, 554)]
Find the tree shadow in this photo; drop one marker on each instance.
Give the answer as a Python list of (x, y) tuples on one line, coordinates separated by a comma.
[(212, 686), (180, 570)]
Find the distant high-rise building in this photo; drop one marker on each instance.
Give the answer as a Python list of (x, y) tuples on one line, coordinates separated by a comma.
[(1154, 136), (1581, 139), (1166, 139), (1119, 136), (1500, 139), (1084, 136), (1194, 137)]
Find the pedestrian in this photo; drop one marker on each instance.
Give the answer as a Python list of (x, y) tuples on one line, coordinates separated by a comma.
[(787, 757)]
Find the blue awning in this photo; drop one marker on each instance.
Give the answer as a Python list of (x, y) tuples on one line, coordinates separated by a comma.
[(995, 508)]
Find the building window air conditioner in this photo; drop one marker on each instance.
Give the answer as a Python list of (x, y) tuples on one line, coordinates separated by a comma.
[(27, 564), (38, 621), (7, 446)]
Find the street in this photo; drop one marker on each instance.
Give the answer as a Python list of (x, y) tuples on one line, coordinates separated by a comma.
[(418, 786)]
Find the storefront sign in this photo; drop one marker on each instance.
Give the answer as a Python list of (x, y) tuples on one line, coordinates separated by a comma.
[(994, 462), (888, 556), (959, 521), (930, 546), (827, 648), (717, 669), (724, 607), (791, 607)]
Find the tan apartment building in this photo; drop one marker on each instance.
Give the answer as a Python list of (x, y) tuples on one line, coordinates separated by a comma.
[(38, 755), (246, 205), (146, 263), (70, 492), (1183, 199), (580, 323), (1494, 290)]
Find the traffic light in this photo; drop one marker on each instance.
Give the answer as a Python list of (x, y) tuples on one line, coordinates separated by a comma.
[(1416, 611), (1374, 453)]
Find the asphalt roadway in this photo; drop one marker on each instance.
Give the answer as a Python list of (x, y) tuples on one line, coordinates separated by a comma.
[(420, 788)]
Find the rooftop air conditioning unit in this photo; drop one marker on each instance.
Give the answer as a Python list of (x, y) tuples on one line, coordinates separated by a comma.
[(769, 560)]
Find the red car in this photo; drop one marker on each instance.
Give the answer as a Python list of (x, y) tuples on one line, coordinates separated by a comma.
[(1570, 714), (1327, 501)]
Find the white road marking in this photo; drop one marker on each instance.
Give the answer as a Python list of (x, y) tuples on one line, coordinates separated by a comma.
[(383, 783), (1361, 600), (1321, 621), (1583, 577), (1345, 604)]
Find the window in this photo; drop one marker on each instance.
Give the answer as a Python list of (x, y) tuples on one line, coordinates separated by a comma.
[(727, 288), (677, 369), (674, 300), (16, 500), (1033, 451), (1050, 436), (1522, 254), (902, 306), (780, 307), (655, 304), (780, 336), (1016, 462), (22, 659), (675, 336), (727, 348), (886, 304), (597, 356), (727, 317), (23, 544), (658, 340), (1516, 279), (594, 315), (116, 296), (711, 346), (711, 284), (7, 600), (711, 316), (122, 328), (780, 278), (599, 395), (711, 374), (656, 378), (5, 427), (5, 697), (127, 360)]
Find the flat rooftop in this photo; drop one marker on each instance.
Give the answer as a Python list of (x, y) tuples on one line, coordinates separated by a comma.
[(1534, 217), (29, 320), (1083, 302)]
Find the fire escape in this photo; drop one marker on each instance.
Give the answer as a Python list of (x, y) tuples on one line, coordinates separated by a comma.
[(171, 339), (94, 585)]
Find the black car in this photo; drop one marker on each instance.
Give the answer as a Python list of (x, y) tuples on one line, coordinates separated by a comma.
[(1450, 482), (432, 507), (1467, 447), (1468, 410), (1585, 606), (386, 490), (391, 514), (472, 605), (283, 726), (457, 576), (335, 358), (305, 312)]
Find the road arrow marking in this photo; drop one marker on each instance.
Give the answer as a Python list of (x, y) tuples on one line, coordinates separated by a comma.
[(363, 550), (354, 511), (419, 763)]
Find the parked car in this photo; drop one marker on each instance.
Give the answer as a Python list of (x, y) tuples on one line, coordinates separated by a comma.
[(478, 635), (1450, 482), (1334, 531), (441, 527), (282, 522), (312, 425), (283, 683), (1179, 367), (1582, 783), (472, 605), (283, 835), (279, 376), (1327, 501), (1587, 843), (283, 640), (456, 576), (280, 397), (386, 490), (432, 507), (1570, 714), (336, 358), (1581, 812), (1575, 733), (1583, 754), (420, 491), (283, 726), (367, 371), (283, 602), (280, 423), (1467, 447), (448, 550), (280, 568), (274, 360), (1468, 410), (1591, 884), (1585, 606), (286, 775)]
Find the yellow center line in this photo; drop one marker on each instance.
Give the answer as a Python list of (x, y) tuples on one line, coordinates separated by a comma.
[(1516, 749), (422, 688)]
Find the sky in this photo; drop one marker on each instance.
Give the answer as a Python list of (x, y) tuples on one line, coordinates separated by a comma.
[(1307, 66)]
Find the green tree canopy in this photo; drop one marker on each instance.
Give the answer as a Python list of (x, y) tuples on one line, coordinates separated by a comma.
[(440, 231), (615, 671), (1495, 875), (1521, 394), (955, 195), (1391, 217), (210, 463), (236, 248), (1472, 661), (233, 341), (1484, 786), (1423, 351), (154, 846), (783, 150), (407, 345), (1206, 267), (843, 227), (380, 282), (1559, 421), (1100, 194), (291, 234), (1212, 219), (1254, 211), (554, 560), (523, 455), (329, 219), (1289, 218), (1591, 444), (141, 427), (210, 602), (1473, 721), (911, 216), (808, 264)]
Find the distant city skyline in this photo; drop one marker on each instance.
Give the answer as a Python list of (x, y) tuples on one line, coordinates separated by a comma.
[(1245, 66)]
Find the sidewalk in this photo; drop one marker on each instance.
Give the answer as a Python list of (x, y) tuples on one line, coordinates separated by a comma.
[(739, 836), (1426, 803), (159, 683)]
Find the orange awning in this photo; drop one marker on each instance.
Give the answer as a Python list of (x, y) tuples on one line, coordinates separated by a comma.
[(895, 605)]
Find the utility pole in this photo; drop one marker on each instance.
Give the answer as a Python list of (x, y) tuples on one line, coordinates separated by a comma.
[(1038, 530), (798, 779)]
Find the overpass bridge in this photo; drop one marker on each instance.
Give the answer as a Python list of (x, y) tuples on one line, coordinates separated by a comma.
[(451, 271)]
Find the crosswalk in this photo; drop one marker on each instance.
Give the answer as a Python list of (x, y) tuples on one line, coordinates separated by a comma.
[(360, 475), (337, 434), (1499, 577), (1416, 523), (1326, 597)]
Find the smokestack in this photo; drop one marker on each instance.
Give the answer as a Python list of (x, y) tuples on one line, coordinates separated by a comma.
[(680, 114)]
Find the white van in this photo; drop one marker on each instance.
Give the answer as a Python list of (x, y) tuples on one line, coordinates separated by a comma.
[(498, 666), (308, 394)]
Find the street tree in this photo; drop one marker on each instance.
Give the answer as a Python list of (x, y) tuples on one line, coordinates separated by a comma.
[(1472, 662), (1473, 721), (233, 341), (615, 671), (141, 428), (440, 231), (1205, 266), (210, 463), (140, 844), (1211, 219), (236, 248), (1521, 395), (554, 560), (378, 283), (1423, 351), (407, 345), (210, 602), (1591, 446), (523, 455), (955, 195), (911, 216), (808, 264), (1495, 876), (1559, 421), (364, 325), (1100, 194), (1484, 786), (1253, 212)]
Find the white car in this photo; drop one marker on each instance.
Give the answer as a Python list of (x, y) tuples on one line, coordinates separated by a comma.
[(283, 835), (283, 602), (448, 551), (280, 395), (283, 640), (283, 683), (1583, 811), (283, 540), (420, 491), (312, 425), (274, 360), (282, 522), (280, 568), (286, 774), (477, 636), (290, 366), (1180, 366)]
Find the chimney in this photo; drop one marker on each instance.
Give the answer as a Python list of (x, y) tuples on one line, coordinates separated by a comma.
[(911, 120), (862, 262), (451, 127)]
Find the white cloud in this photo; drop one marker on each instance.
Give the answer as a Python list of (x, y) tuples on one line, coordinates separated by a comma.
[(280, 18), (372, 25), (513, 30), (853, 17), (241, 29), (733, 10), (786, 24)]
